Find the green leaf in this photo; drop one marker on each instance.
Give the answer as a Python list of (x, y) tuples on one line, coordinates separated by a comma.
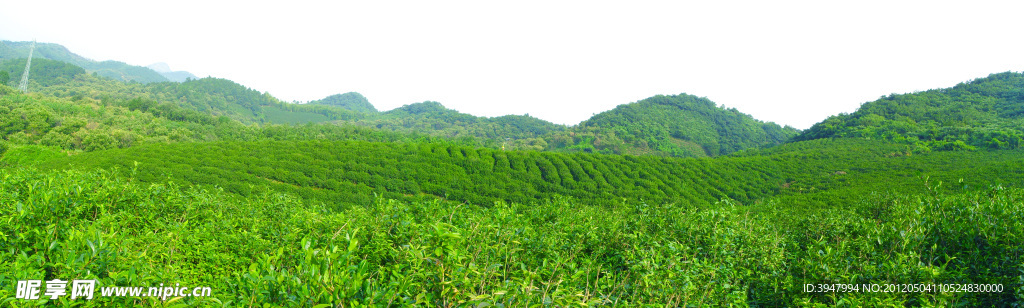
[(352, 245)]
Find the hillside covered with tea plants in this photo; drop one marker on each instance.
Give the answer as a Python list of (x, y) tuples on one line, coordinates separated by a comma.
[(671, 201)]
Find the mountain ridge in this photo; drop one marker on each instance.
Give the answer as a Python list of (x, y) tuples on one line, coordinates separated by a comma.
[(986, 112), (983, 113), (111, 69), (628, 129)]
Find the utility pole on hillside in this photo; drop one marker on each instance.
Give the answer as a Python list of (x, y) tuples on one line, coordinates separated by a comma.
[(23, 86)]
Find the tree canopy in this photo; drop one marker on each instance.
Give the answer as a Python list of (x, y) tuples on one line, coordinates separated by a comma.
[(351, 101), (982, 113)]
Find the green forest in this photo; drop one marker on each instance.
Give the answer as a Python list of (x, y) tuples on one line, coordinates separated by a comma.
[(670, 201)]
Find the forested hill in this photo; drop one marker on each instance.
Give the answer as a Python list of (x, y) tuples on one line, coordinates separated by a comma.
[(351, 101), (677, 125), (44, 72), (982, 113), (110, 69), (211, 96)]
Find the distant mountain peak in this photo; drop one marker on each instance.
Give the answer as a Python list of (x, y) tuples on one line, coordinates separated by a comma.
[(160, 67), (165, 70)]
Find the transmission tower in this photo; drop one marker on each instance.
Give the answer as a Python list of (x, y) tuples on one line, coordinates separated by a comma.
[(23, 86)]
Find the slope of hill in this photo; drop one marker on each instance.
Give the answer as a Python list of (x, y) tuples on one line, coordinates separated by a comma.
[(845, 210), (14, 50), (678, 125), (82, 124), (983, 113), (339, 171), (43, 73), (221, 97), (124, 72), (110, 69), (212, 96)]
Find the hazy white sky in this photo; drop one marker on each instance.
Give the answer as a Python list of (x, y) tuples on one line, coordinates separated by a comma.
[(791, 62)]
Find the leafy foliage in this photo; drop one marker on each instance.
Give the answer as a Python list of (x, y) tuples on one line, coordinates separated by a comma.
[(273, 248)]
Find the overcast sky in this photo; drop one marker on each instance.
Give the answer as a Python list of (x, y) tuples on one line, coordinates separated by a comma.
[(790, 62)]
